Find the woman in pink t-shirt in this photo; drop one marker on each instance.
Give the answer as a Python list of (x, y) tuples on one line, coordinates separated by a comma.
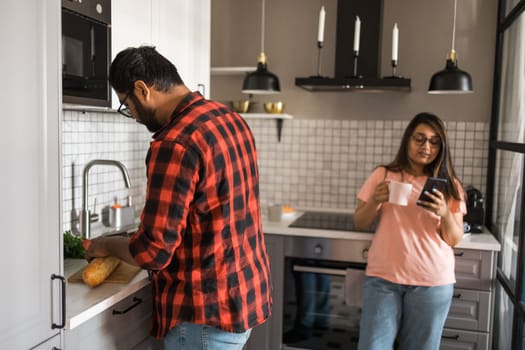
[(410, 271)]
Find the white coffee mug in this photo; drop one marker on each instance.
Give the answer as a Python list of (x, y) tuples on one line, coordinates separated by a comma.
[(399, 192)]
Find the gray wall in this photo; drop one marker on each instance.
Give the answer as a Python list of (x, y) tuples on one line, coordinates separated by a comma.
[(425, 35)]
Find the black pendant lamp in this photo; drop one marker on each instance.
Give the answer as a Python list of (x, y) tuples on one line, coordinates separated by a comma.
[(451, 80), (261, 81)]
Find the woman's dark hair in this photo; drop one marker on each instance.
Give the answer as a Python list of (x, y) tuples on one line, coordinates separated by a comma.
[(441, 166), (142, 63)]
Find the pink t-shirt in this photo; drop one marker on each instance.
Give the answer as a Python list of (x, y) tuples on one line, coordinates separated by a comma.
[(407, 248)]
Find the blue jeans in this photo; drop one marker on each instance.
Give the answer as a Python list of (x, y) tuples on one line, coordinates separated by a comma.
[(313, 300), (415, 315), (189, 336)]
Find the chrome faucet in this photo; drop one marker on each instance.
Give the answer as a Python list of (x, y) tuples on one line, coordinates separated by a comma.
[(85, 214)]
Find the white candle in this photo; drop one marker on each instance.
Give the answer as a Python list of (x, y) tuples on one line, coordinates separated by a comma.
[(357, 33), (320, 33), (395, 42)]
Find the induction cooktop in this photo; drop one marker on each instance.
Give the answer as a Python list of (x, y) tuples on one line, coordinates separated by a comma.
[(326, 221)]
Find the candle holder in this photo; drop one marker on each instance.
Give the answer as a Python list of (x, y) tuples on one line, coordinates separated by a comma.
[(355, 75), (319, 48), (394, 73)]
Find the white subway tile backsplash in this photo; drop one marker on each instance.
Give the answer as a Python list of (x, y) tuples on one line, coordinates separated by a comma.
[(94, 135), (346, 152)]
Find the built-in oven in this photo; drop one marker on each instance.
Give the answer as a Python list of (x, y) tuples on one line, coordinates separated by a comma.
[(86, 52), (322, 288)]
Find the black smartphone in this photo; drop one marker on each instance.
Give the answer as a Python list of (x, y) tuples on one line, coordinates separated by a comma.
[(431, 184)]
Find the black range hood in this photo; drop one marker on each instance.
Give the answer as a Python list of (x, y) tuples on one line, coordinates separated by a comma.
[(351, 84), (369, 11)]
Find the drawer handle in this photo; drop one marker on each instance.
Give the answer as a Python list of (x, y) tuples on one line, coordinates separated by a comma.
[(457, 296), (319, 270), (459, 254), (452, 337), (136, 302)]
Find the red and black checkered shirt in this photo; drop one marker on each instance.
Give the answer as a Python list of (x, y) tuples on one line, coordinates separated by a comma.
[(201, 230)]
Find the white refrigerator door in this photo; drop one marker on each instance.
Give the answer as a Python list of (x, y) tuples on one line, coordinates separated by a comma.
[(30, 172)]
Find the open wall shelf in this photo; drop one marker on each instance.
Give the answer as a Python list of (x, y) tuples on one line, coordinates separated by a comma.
[(279, 119)]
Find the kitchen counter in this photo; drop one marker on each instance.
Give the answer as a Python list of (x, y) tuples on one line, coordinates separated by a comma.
[(84, 303), (481, 241)]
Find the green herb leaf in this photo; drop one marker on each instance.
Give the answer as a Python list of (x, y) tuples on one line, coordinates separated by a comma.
[(73, 247)]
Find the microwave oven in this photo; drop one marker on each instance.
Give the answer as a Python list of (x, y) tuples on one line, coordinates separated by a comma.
[(86, 52)]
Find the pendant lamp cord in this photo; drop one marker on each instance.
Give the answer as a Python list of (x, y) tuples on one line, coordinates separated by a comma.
[(454, 26), (262, 27)]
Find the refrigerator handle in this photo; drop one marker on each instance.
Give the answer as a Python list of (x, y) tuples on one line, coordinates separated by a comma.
[(63, 298)]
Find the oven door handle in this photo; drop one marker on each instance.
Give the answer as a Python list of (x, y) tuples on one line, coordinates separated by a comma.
[(320, 270)]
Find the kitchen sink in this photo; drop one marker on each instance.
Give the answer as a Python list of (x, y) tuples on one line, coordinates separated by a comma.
[(126, 231)]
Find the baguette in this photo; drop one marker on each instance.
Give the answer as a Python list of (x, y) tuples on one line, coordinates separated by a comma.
[(98, 270)]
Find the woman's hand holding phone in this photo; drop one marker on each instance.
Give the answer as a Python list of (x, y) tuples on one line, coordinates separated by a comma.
[(432, 197)]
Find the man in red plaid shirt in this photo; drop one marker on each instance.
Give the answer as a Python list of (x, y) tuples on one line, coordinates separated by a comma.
[(200, 233)]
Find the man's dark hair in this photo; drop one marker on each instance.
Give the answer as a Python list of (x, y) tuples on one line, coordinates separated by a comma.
[(142, 63)]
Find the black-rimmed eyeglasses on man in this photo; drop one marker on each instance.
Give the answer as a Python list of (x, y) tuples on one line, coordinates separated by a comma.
[(124, 109)]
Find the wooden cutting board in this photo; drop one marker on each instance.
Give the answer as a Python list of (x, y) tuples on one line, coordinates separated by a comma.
[(122, 274)]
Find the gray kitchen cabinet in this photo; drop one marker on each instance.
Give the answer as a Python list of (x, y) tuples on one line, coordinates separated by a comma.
[(122, 327), (30, 299), (475, 269), (464, 340), (469, 323), (268, 335), (470, 310)]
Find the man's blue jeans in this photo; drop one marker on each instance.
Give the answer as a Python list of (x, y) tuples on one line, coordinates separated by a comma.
[(313, 300), (189, 336), (415, 315)]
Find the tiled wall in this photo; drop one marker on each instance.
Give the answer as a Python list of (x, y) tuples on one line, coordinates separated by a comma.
[(323, 163), (87, 136), (317, 164)]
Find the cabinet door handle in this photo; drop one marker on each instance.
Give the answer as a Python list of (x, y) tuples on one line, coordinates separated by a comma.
[(63, 299), (457, 296), (320, 270), (136, 302), (459, 254), (202, 89), (452, 337)]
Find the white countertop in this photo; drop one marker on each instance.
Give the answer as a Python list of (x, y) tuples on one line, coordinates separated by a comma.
[(480, 241), (83, 302)]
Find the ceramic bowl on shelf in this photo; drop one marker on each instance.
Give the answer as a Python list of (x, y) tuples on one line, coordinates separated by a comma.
[(241, 106), (274, 107)]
